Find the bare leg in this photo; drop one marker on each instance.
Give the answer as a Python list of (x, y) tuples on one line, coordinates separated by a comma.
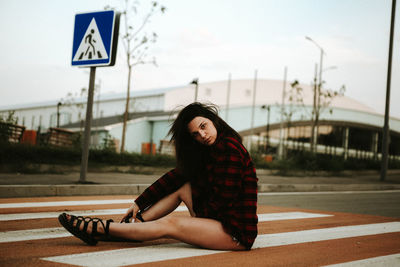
[(169, 203), (202, 232)]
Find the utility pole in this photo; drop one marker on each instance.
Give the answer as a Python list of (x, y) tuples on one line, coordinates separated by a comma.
[(228, 95), (314, 112), (318, 104), (386, 133), (126, 113), (253, 108), (280, 148)]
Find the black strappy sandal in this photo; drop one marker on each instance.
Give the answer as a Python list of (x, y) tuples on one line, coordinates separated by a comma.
[(88, 238), (138, 216)]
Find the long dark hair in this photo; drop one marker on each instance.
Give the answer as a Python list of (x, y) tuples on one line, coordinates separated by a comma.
[(191, 156)]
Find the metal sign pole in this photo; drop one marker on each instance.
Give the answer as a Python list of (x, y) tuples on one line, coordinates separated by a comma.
[(94, 44), (88, 122)]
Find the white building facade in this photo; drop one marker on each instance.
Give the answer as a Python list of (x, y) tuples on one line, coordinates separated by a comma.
[(244, 104)]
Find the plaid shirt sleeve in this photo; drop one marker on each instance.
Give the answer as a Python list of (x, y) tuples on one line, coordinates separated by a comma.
[(165, 185)]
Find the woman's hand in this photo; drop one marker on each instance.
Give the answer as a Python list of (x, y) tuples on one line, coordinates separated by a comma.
[(131, 213)]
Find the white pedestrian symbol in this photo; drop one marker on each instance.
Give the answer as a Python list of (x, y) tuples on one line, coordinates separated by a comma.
[(91, 46)]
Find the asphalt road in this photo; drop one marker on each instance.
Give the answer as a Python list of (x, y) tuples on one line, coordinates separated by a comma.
[(382, 203), (30, 235)]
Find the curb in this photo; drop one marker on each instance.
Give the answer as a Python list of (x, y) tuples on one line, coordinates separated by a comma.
[(13, 191), (265, 188)]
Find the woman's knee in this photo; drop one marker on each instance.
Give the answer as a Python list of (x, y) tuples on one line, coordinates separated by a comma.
[(185, 192), (185, 195), (170, 224)]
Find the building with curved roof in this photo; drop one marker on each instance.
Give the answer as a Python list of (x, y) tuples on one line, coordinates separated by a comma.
[(258, 110)]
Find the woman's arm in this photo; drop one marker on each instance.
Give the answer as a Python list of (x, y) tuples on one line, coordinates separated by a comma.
[(165, 185)]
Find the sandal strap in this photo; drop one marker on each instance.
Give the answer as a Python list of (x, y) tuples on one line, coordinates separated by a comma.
[(107, 228), (96, 221), (94, 227), (139, 216), (79, 220), (86, 221), (71, 220)]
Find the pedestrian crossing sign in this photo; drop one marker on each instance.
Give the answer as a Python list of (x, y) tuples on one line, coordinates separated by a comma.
[(95, 39)]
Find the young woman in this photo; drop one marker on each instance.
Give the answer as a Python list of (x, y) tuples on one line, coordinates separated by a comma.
[(214, 177)]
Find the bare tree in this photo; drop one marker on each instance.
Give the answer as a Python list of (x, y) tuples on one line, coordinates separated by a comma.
[(324, 98), (136, 42), (74, 102), (9, 117)]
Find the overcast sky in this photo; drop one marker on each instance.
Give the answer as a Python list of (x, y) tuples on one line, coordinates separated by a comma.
[(207, 39)]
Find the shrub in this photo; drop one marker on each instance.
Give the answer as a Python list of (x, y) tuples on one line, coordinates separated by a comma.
[(307, 161), (27, 154), (20, 157)]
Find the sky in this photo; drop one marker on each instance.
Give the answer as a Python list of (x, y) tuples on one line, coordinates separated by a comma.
[(207, 40)]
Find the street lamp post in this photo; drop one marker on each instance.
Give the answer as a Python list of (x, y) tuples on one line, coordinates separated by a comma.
[(315, 141), (196, 82), (58, 114), (268, 108)]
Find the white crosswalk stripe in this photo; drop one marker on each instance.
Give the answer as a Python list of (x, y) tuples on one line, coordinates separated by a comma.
[(153, 253), (33, 234), (383, 261), (130, 256), (44, 233), (44, 215), (64, 203)]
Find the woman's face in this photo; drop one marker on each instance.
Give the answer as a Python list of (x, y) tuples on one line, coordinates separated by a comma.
[(203, 130)]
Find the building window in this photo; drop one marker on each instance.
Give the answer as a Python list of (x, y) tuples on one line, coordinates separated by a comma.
[(33, 122), (65, 118), (53, 120), (40, 123), (68, 118)]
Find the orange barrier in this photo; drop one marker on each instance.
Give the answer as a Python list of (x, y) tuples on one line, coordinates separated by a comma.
[(29, 137), (148, 148), (268, 158)]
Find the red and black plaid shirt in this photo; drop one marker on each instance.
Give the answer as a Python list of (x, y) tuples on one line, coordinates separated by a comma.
[(228, 193)]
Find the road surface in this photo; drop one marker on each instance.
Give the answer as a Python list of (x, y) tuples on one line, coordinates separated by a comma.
[(30, 235)]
